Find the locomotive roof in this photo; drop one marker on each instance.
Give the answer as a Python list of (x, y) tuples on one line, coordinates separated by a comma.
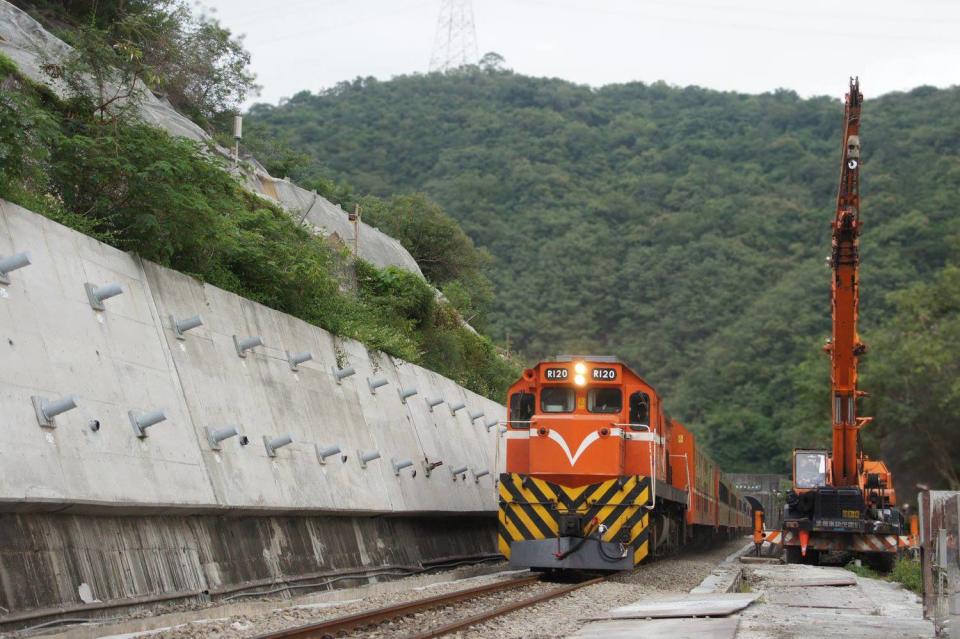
[(604, 359)]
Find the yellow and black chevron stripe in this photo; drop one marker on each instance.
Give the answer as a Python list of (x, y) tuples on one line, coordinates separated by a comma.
[(530, 507)]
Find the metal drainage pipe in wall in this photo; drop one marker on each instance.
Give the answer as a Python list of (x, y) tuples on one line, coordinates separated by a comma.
[(47, 410), (141, 422), (97, 294)]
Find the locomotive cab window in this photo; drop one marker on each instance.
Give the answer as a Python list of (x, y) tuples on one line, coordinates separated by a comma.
[(556, 399), (604, 400), (522, 407), (810, 470), (639, 410)]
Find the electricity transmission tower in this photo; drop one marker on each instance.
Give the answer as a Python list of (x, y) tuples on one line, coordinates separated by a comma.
[(455, 43)]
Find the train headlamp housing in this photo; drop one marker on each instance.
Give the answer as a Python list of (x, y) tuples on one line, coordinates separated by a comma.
[(580, 368), (579, 380)]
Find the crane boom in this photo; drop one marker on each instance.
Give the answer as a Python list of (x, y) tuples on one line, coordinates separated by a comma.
[(841, 500), (845, 347)]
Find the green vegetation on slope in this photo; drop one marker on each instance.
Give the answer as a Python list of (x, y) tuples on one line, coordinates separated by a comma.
[(906, 571), (683, 229), (86, 161)]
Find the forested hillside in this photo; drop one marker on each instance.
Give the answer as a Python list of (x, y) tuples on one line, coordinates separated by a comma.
[(682, 229)]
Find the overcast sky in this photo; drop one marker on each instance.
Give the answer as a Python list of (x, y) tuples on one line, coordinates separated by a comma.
[(810, 46)]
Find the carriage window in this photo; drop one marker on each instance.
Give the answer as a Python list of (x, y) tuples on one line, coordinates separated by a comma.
[(604, 400), (556, 400), (522, 406), (639, 409)]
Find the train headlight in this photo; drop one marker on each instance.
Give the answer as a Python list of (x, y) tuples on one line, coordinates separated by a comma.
[(580, 368), (579, 380)]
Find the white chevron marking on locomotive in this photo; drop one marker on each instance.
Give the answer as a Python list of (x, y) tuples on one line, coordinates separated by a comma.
[(584, 445)]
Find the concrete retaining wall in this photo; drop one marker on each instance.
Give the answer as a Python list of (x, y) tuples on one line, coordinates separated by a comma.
[(47, 560), (128, 358)]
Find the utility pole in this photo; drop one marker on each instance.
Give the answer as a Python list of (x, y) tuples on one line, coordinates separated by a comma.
[(355, 218), (455, 43), (237, 135)]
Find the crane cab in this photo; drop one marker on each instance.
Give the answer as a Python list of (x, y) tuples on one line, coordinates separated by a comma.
[(811, 469)]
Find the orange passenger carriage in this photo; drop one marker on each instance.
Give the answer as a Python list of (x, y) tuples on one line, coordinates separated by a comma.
[(597, 476)]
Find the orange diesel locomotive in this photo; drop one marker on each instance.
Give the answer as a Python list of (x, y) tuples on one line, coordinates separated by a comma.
[(598, 477)]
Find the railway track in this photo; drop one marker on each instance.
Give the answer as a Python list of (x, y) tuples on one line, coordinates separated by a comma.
[(340, 626)]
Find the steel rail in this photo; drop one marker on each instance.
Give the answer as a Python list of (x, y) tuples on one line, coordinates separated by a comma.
[(330, 628), (472, 620)]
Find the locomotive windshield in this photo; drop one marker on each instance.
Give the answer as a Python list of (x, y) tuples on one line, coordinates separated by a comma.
[(556, 399), (604, 400), (810, 470), (522, 407)]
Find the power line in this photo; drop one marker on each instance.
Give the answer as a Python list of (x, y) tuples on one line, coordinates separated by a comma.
[(455, 43)]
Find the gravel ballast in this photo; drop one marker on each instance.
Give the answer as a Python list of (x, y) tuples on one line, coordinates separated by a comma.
[(564, 615)]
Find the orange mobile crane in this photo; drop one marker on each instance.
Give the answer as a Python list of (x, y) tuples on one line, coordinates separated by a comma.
[(842, 501)]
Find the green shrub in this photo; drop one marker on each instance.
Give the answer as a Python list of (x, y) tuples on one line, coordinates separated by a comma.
[(907, 572), (862, 571)]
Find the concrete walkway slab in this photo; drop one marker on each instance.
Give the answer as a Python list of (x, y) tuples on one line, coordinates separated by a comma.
[(823, 597), (785, 601), (801, 576), (712, 628), (752, 559), (685, 605), (762, 625), (796, 603)]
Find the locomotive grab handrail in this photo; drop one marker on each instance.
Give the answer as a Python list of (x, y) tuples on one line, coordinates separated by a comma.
[(686, 465), (653, 462)]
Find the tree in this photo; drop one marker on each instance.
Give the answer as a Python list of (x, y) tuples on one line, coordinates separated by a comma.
[(121, 48), (914, 379), (492, 62)]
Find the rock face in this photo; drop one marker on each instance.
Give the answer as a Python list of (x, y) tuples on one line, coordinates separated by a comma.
[(147, 508), (28, 44)]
